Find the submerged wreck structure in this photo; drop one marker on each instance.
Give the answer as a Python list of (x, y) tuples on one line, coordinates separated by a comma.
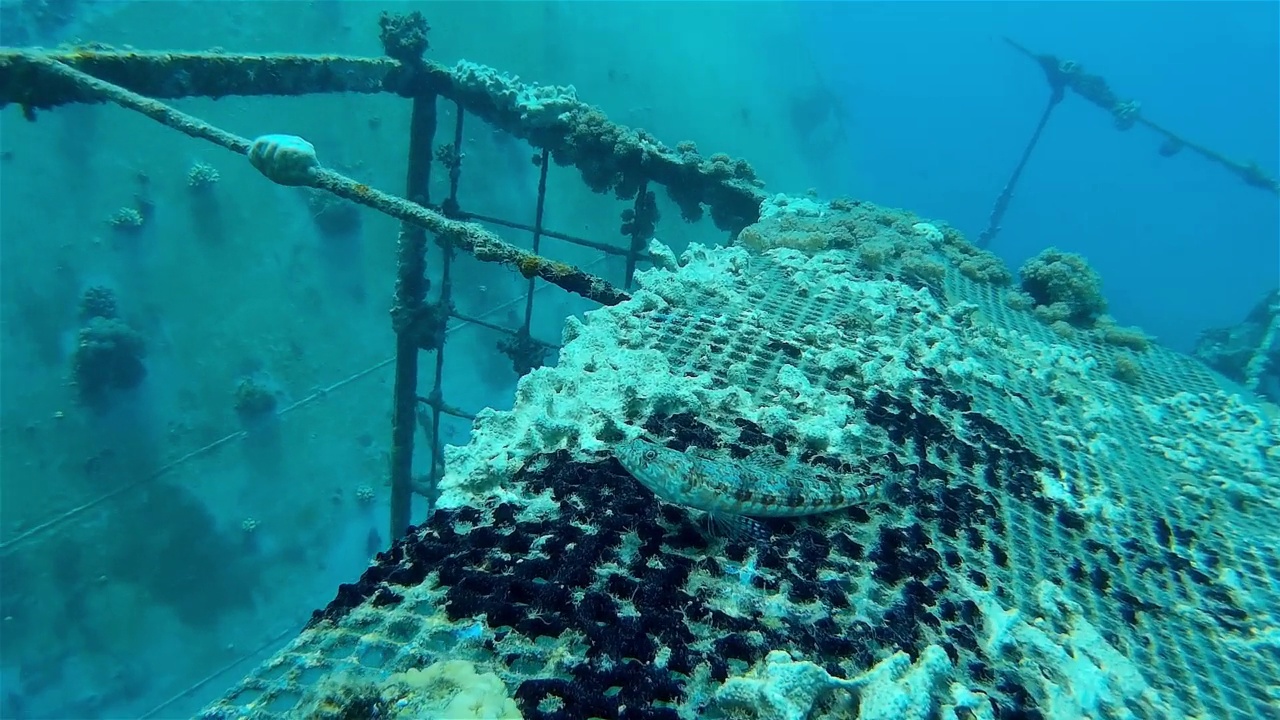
[(965, 492)]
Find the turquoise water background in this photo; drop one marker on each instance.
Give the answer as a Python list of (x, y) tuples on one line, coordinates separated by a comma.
[(119, 599)]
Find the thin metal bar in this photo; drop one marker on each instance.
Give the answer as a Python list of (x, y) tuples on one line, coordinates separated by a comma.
[(1006, 195), (273, 642), (455, 169), (736, 200), (171, 75), (537, 234), (439, 405), (499, 328), (410, 294), (446, 292), (638, 224), (602, 247), (472, 238), (327, 391), (172, 465)]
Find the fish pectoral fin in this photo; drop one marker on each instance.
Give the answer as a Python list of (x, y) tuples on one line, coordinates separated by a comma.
[(736, 527)]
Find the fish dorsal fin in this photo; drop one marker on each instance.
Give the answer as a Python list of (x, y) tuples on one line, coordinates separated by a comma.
[(768, 460)]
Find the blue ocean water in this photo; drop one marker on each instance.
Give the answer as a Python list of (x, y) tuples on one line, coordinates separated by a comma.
[(159, 544), (1207, 70)]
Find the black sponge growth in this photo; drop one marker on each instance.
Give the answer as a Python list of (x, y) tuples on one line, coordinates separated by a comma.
[(631, 575)]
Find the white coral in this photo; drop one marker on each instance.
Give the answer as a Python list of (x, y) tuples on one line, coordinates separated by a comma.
[(540, 105), (786, 689), (928, 231)]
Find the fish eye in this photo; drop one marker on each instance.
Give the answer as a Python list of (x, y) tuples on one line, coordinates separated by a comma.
[(650, 454)]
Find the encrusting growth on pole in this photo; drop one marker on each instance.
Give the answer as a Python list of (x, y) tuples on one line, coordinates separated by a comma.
[(1065, 75), (1128, 113), (474, 239)]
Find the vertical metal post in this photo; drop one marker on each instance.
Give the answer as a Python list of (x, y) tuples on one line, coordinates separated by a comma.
[(1006, 195), (410, 294), (640, 222), (537, 234), (446, 291)]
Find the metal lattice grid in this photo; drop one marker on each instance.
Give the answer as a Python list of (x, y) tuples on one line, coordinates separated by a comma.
[(39, 80), (524, 350), (1175, 649), (1138, 577)]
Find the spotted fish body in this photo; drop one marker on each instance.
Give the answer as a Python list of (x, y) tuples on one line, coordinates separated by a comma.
[(735, 488)]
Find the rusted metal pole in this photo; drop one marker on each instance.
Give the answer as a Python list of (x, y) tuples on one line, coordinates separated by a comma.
[(583, 137), (197, 74), (410, 294), (468, 237)]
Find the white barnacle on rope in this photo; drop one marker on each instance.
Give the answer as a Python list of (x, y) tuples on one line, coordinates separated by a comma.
[(285, 159)]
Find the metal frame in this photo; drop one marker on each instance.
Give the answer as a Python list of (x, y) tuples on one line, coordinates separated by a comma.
[(28, 78), (524, 350), (39, 80)]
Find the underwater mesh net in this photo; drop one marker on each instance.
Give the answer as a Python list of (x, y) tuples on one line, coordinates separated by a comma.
[(1050, 541)]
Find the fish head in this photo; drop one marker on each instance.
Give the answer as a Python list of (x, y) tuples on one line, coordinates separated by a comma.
[(637, 455)]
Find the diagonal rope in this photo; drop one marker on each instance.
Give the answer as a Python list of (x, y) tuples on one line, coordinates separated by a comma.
[(477, 241), (172, 465)]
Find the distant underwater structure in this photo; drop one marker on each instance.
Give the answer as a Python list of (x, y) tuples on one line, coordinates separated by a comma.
[(1067, 519), (1063, 75)]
